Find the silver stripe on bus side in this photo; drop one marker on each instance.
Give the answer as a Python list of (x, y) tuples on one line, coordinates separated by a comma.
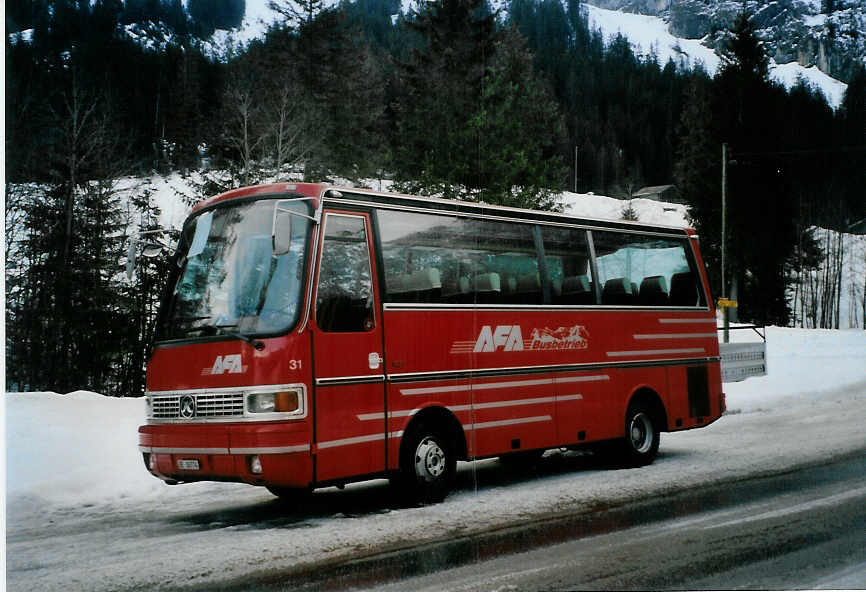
[(570, 379), (686, 321), (171, 450), (343, 380), (350, 441), (506, 422), (272, 449), (676, 336), (252, 450), (649, 352), (479, 373), (393, 306), (474, 387), (459, 408)]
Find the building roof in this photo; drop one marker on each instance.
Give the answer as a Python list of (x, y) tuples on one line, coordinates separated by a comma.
[(654, 190)]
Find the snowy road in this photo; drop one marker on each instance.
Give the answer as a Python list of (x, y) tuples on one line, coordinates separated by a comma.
[(803, 529), (81, 517)]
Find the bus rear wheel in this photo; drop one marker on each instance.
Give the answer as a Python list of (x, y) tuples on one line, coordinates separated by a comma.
[(428, 464), (642, 437)]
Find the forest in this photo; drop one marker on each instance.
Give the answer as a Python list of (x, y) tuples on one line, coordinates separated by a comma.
[(454, 99)]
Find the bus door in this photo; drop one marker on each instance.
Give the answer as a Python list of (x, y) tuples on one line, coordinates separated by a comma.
[(348, 355)]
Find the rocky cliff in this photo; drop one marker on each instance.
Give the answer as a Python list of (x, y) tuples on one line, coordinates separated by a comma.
[(830, 34)]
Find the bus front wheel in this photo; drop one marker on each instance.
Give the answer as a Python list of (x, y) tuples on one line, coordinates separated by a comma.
[(428, 464)]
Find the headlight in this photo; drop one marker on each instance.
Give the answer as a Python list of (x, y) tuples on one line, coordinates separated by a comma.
[(288, 401)]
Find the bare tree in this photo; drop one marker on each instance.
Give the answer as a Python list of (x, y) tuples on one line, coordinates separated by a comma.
[(296, 12), (292, 123)]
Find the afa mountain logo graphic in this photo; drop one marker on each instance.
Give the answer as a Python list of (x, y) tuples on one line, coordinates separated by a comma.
[(510, 338)]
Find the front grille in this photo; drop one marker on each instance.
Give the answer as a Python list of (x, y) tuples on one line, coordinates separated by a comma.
[(207, 406)]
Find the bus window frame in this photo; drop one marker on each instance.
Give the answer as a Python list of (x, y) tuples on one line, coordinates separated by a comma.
[(537, 225)]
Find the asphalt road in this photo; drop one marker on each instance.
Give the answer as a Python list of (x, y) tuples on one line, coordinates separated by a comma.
[(801, 528), (804, 529)]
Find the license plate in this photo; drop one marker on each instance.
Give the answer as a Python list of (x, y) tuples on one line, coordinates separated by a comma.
[(188, 464)]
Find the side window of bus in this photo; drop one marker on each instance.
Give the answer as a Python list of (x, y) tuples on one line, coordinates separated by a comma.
[(566, 254), (344, 299), (454, 260), (635, 270)]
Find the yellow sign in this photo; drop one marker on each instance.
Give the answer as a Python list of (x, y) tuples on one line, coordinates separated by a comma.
[(725, 303)]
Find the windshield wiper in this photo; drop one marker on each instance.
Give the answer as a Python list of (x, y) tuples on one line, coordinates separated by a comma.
[(222, 330), (225, 330)]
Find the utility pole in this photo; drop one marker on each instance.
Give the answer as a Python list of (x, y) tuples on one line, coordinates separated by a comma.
[(575, 169), (725, 316)]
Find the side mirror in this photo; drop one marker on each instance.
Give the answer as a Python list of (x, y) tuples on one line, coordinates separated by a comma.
[(281, 229)]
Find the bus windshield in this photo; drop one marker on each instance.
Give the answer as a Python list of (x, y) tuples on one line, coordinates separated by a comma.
[(230, 280)]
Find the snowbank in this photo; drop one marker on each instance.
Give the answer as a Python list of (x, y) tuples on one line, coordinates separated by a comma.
[(72, 449), (81, 448)]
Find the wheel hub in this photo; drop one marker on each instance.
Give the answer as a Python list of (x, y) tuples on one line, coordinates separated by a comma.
[(429, 460), (641, 433)]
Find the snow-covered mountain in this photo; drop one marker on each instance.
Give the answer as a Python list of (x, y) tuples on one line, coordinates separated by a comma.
[(689, 31), (829, 34), (653, 34)]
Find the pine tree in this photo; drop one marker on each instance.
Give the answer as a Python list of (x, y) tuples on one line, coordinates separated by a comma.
[(444, 77), (745, 105), (519, 127), (697, 172)]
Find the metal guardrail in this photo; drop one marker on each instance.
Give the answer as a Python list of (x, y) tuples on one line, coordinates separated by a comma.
[(746, 359)]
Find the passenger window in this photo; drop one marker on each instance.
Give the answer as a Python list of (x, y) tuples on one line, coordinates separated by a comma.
[(636, 270), (456, 260), (344, 299), (566, 255)]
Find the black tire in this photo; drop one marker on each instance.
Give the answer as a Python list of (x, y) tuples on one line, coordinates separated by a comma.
[(428, 464), (642, 436)]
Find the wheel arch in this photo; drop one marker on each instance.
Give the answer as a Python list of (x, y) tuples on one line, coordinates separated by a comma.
[(653, 403), (440, 416)]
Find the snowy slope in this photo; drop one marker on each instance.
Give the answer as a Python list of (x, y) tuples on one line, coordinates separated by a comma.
[(650, 34)]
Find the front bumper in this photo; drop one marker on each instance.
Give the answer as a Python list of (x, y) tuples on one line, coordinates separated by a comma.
[(225, 452)]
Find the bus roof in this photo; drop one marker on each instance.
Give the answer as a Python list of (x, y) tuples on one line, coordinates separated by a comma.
[(341, 194)]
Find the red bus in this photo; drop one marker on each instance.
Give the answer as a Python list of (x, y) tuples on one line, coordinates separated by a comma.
[(313, 335)]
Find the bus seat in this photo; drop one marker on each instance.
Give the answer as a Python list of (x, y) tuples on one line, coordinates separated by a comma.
[(653, 291), (487, 288), (423, 285), (684, 290), (528, 289), (396, 284), (576, 290), (508, 283), (457, 291), (556, 288), (617, 291)]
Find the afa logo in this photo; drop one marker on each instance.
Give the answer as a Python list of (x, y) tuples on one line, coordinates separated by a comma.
[(508, 337), (231, 364)]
